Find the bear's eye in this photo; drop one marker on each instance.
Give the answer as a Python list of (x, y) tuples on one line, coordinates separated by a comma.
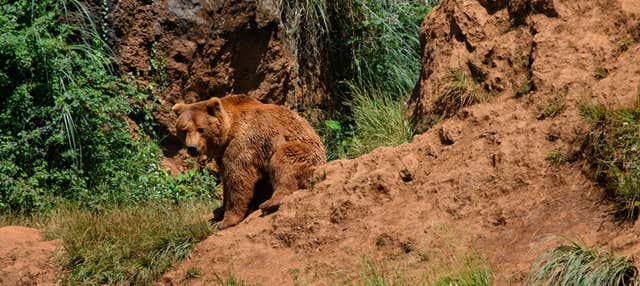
[(200, 130)]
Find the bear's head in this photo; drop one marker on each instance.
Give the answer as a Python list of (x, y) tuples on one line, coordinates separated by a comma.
[(203, 126)]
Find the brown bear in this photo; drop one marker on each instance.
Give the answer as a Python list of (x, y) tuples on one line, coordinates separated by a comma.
[(250, 141)]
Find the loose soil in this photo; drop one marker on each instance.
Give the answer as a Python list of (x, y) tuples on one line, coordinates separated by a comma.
[(25, 258)]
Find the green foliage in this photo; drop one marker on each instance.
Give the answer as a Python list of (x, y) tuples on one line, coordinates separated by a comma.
[(230, 281), (553, 107), (127, 245), (63, 133), (384, 43), (574, 264), (473, 273), (192, 272), (380, 121), (556, 157), (458, 93), (380, 40), (612, 146)]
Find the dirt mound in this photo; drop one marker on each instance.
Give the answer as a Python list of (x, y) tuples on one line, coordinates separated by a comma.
[(25, 259), (478, 180)]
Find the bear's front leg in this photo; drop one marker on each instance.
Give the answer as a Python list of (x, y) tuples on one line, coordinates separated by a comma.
[(239, 182)]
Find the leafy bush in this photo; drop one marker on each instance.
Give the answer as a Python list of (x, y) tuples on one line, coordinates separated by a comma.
[(63, 133), (612, 147), (127, 245), (573, 264)]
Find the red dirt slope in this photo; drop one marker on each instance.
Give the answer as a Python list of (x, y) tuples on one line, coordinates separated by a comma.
[(477, 181), (25, 259)]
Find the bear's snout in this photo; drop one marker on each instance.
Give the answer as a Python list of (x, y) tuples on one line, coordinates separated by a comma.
[(193, 150)]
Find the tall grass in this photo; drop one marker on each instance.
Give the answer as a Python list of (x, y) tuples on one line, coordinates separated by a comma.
[(473, 272), (127, 245), (379, 119), (380, 41), (612, 147), (574, 264)]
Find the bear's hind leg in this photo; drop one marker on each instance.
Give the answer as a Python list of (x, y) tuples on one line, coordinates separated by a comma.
[(290, 168)]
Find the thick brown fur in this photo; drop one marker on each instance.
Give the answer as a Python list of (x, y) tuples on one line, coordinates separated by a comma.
[(250, 141)]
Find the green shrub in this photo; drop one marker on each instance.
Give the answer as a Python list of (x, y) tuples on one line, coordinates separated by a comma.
[(611, 146), (127, 245), (573, 264), (63, 133)]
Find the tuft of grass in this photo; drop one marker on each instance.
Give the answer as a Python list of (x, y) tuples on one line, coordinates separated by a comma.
[(473, 273), (127, 245), (525, 88), (458, 93), (612, 147), (573, 264), (230, 281), (192, 272), (600, 72), (553, 107), (379, 121), (556, 157), (625, 43)]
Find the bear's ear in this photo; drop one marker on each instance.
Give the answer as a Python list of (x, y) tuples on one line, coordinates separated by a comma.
[(214, 106), (178, 108)]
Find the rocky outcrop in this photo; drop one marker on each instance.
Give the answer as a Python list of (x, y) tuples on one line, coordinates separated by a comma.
[(516, 48)]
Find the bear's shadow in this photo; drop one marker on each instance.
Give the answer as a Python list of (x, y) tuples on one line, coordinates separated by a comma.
[(262, 192)]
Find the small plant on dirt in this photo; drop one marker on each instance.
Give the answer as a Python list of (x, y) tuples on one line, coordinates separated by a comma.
[(556, 157), (127, 245), (525, 88), (553, 107), (573, 264), (600, 72), (192, 272), (230, 281), (612, 147), (458, 93), (473, 273), (625, 43)]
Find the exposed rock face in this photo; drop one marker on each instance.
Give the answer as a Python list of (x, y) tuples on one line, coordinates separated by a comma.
[(519, 47)]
